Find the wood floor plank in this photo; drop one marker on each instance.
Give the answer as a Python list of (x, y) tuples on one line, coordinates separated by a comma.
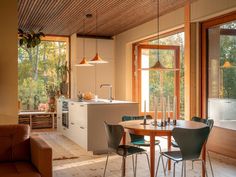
[(88, 165)]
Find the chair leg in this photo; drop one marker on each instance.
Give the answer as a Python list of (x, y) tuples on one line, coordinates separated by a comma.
[(135, 170), (158, 162), (122, 167), (164, 168), (184, 168), (104, 173), (203, 163), (133, 163), (148, 161), (174, 170), (210, 163)]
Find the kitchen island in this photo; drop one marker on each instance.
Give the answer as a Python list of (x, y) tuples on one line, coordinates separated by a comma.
[(83, 122)]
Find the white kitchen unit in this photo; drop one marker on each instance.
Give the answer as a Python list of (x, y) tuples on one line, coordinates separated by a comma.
[(86, 121), (59, 115)]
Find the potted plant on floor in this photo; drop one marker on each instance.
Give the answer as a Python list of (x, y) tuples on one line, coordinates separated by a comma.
[(51, 91)]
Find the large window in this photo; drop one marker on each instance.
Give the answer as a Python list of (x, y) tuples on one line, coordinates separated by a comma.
[(39, 72), (150, 83), (222, 74)]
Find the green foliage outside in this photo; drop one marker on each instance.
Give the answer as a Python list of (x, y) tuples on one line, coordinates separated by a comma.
[(228, 53), (38, 74)]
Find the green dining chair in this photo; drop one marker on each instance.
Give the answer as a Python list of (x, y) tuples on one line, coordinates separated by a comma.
[(114, 135), (139, 140), (190, 142)]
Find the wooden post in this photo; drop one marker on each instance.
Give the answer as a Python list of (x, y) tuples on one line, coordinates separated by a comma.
[(187, 64)]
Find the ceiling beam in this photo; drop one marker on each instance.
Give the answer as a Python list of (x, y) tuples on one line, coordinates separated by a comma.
[(94, 36)]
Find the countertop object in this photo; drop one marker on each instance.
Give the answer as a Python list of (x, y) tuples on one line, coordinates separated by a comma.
[(100, 101)]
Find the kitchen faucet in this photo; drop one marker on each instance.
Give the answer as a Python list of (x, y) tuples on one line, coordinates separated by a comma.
[(110, 90)]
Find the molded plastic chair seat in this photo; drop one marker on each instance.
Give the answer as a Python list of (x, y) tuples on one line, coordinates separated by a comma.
[(173, 155), (126, 150), (194, 119)]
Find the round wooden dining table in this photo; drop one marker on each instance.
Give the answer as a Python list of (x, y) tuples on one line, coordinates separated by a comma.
[(136, 127)]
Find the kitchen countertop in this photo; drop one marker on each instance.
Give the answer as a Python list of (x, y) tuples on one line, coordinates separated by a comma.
[(101, 101)]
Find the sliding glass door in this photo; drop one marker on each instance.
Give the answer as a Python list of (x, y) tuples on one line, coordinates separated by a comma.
[(220, 64)]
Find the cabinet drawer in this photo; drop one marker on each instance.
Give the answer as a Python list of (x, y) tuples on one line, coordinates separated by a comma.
[(78, 134), (78, 113)]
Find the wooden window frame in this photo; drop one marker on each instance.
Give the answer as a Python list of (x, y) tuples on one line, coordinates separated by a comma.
[(204, 26), (67, 39), (137, 91)]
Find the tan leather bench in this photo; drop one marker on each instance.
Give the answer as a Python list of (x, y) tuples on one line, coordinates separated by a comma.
[(21, 155)]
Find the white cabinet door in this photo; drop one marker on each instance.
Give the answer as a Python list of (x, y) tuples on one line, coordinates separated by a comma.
[(78, 113), (79, 135), (78, 123)]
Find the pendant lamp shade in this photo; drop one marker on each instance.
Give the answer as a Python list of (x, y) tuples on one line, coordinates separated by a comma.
[(227, 64), (84, 62), (158, 66), (97, 59)]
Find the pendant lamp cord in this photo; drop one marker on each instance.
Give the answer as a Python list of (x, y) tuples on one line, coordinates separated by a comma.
[(95, 78), (84, 38), (158, 29), (96, 31), (95, 67)]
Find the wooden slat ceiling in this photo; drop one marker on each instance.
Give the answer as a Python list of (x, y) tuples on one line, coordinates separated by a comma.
[(65, 17)]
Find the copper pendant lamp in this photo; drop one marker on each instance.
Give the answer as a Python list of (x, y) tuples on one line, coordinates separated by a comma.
[(227, 65), (158, 66), (97, 59), (84, 62)]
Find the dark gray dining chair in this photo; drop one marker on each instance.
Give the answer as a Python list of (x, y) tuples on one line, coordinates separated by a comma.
[(195, 119), (114, 135), (210, 123), (190, 142), (138, 140)]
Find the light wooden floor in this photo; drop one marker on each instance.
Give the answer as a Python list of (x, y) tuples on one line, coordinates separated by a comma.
[(88, 165)]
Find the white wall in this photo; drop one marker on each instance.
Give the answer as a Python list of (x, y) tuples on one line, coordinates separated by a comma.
[(83, 78), (200, 10), (8, 62)]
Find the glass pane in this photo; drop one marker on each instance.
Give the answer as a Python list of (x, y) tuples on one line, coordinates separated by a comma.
[(38, 68), (151, 80), (177, 40), (222, 74)]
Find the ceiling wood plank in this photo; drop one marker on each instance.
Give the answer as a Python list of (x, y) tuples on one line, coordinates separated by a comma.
[(65, 17)]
